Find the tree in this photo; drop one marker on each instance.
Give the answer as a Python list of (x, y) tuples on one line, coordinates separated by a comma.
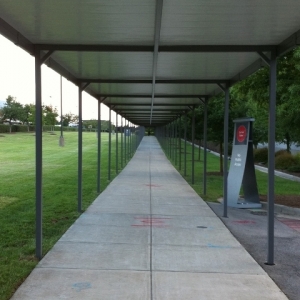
[(69, 118), (28, 115), (256, 90), (12, 111), (50, 115), (215, 120)]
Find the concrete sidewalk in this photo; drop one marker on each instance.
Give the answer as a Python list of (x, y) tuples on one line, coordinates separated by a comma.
[(148, 236)]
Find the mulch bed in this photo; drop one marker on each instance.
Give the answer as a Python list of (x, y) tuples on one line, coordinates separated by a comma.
[(287, 200)]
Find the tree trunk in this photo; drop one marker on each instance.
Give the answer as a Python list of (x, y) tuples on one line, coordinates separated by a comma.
[(288, 142), (221, 157)]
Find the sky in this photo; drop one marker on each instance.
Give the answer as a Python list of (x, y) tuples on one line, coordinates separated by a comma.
[(18, 80)]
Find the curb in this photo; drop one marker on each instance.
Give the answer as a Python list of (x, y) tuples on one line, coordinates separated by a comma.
[(278, 208), (282, 209), (260, 168)]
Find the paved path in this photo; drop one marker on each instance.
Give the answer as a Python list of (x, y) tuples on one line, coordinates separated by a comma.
[(148, 236)]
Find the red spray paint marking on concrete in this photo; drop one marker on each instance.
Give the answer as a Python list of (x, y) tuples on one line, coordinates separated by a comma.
[(153, 185), (292, 223), (154, 222), (244, 222)]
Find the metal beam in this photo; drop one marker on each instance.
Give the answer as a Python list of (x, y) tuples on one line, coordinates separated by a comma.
[(46, 56), (157, 81), (217, 48), (247, 71), (95, 48), (148, 104), (264, 57), (150, 96), (157, 110), (289, 43), (143, 48), (16, 37)]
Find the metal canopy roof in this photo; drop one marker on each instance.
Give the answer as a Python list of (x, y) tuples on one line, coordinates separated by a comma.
[(149, 60)]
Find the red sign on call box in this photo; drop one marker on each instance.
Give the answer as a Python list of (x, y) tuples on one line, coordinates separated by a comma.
[(241, 133)]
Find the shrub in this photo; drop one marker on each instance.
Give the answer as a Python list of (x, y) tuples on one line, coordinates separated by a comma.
[(15, 128), (261, 155), (280, 152), (297, 157), (4, 128), (295, 168), (285, 161)]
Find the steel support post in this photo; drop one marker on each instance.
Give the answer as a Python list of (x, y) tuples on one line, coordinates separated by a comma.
[(117, 146), (125, 142), (61, 139), (130, 141), (179, 143), (175, 142), (205, 146), (122, 132), (185, 133), (165, 138), (38, 158), (109, 145), (173, 138), (79, 185), (170, 140), (193, 146), (225, 157), (99, 148), (271, 159), (136, 139)]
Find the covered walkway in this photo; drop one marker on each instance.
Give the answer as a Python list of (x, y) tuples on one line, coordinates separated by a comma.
[(148, 236)]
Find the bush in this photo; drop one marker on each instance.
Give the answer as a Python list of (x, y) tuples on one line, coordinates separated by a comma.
[(4, 128), (15, 128), (280, 152), (285, 161), (297, 157), (261, 155), (295, 168)]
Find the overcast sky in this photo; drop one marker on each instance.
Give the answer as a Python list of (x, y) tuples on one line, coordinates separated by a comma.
[(17, 79)]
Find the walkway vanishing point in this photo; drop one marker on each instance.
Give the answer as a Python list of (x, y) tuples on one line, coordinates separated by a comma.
[(148, 236)]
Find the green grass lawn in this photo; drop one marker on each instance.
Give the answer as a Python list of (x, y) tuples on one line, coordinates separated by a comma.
[(17, 195), (215, 182)]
